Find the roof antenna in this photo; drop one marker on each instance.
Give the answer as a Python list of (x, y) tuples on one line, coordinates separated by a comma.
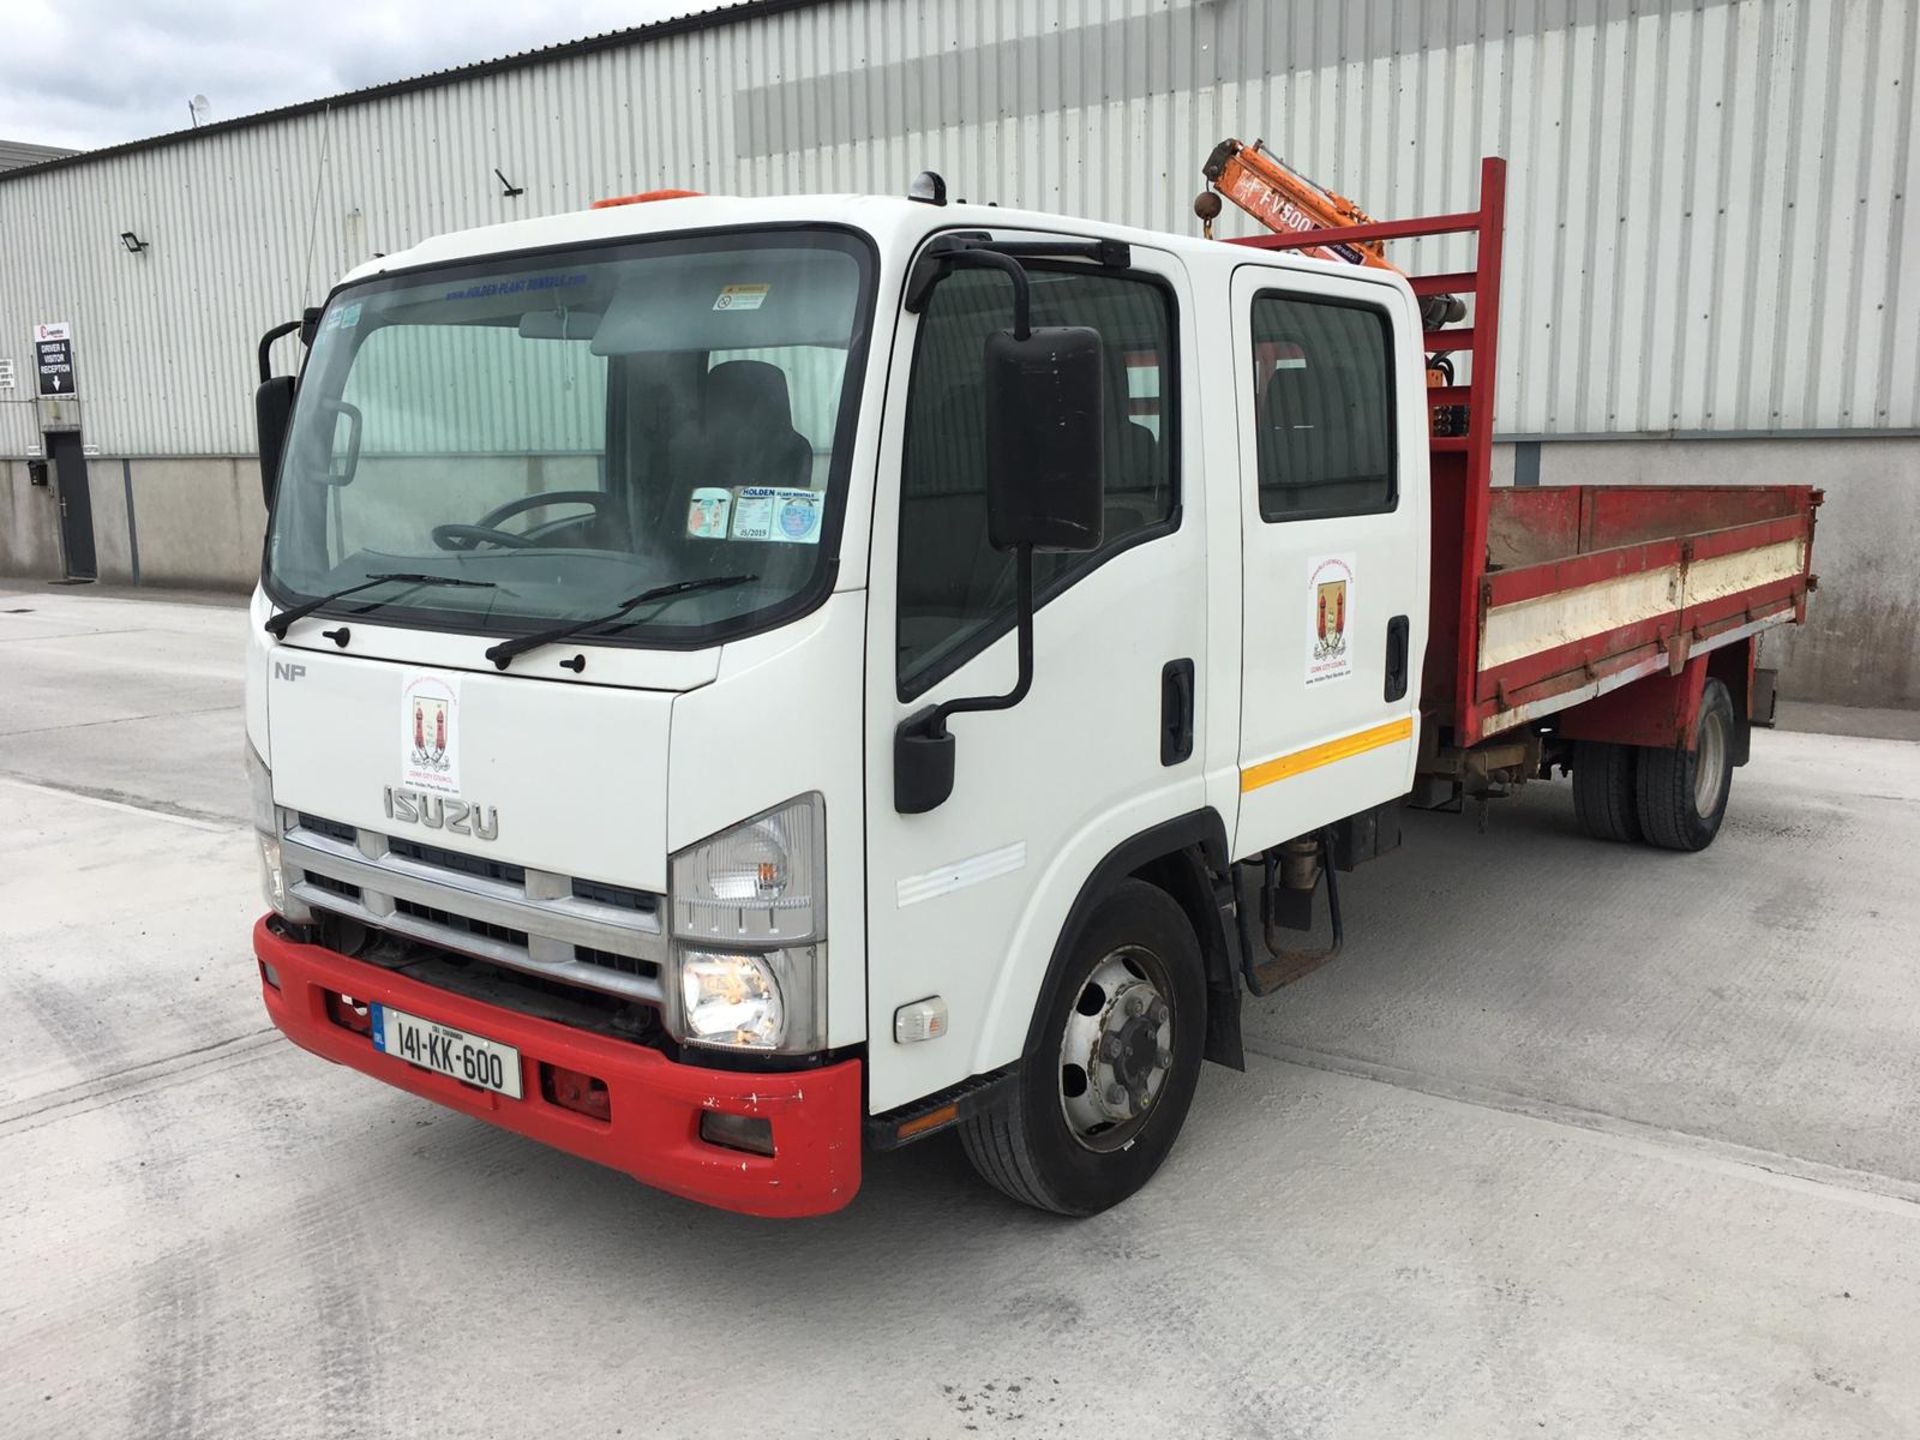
[(197, 109), (507, 187)]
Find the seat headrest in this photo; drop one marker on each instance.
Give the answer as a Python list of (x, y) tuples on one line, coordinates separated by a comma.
[(750, 391)]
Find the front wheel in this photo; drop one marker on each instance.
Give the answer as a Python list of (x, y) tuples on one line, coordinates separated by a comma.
[(1682, 794), (1112, 1067)]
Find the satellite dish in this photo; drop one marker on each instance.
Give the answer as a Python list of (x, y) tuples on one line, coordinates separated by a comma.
[(199, 108)]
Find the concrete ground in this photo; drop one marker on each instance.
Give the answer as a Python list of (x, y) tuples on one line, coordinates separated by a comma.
[(1577, 1140)]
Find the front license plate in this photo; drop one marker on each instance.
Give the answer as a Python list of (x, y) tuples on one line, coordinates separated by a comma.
[(446, 1051)]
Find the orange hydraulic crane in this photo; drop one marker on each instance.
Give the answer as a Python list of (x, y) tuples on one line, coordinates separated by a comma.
[(1287, 202), (1282, 199)]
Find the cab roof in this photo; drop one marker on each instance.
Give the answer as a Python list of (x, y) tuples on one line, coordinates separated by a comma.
[(894, 223)]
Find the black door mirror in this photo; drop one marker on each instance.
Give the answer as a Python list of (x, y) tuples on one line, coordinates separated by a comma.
[(272, 408), (1046, 432)]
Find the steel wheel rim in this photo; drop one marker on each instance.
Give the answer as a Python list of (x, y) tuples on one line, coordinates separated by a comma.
[(1710, 764), (1116, 1050)]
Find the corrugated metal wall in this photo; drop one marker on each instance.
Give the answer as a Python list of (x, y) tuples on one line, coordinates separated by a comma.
[(1706, 212)]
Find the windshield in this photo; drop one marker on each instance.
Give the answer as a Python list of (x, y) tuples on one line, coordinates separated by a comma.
[(568, 430)]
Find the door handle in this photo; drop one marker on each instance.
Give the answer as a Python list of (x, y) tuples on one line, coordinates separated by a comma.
[(1397, 658), (1176, 712)]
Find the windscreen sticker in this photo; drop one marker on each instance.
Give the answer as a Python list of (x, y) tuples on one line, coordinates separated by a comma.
[(707, 513), (345, 318), (519, 285), (741, 297), (1329, 618), (430, 733), (771, 512)]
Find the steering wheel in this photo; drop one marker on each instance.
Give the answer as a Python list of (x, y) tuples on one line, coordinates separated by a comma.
[(466, 537), (486, 528)]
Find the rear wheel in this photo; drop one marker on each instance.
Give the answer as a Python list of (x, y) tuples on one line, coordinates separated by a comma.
[(1682, 794), (1113, 1065), (1603, 790)]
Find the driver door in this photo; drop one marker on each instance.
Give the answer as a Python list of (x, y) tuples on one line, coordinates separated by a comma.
[(967, 900)]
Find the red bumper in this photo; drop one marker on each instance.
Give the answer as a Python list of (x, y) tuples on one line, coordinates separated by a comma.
[(654, 1130)]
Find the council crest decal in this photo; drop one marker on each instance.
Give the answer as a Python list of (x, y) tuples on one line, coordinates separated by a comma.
[(1329, 618), (429, 741)]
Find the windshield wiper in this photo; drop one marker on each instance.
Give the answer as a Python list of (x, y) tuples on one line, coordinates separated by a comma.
[(277, 625), (502, 654)]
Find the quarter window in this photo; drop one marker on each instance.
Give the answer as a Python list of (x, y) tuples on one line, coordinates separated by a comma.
[(956, 591), (1323, 408)]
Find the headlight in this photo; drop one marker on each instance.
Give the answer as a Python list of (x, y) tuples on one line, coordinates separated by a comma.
[(273, 874), (266, 818), (266, 825), (749, 918)]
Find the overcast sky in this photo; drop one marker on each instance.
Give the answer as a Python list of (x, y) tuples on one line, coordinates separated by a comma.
[(85, 73)]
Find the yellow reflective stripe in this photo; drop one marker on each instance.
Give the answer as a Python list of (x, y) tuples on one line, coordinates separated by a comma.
[(1314, 756)]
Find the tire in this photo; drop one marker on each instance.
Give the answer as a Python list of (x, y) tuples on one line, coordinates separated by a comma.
[(1053, 1149), (1604, 790), (1682, 794)]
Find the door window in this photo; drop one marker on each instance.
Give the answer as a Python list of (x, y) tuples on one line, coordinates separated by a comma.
[(1323, 407), (956, 591)]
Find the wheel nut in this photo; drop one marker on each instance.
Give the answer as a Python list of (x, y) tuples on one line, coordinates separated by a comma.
[(1164, 1059), (1117, 1097), (1159, 1012), (1110, 1048), (1135, 1005)]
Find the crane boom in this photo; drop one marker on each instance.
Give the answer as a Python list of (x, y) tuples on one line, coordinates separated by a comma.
[(1283, 200)]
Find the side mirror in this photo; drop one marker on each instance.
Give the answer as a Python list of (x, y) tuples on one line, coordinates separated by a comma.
[(1046, 433), (272, 408)]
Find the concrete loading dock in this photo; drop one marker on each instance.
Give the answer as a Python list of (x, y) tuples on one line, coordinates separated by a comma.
[(1602, 1187)]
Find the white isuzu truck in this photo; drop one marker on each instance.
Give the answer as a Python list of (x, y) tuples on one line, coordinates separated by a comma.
[(736, 682)]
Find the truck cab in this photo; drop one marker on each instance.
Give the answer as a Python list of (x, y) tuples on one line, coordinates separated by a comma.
[(737, 682)]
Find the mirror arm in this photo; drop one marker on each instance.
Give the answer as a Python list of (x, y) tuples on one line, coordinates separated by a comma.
[(266, 344), (936, 723), (923, 750), (1015, 271)]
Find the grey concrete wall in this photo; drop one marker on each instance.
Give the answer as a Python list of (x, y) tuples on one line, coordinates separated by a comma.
[(199, 522), (1861, 642), (29, 525)]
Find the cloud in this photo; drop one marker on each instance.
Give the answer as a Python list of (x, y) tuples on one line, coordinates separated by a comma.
[(86, 73)]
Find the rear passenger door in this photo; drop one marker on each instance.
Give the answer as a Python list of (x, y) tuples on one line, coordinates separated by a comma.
[(1333, 490)]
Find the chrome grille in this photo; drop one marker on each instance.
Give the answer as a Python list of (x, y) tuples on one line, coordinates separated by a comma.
[(585, 933)]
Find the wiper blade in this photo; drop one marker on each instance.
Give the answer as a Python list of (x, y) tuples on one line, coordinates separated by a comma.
[(277, 625), (502, 654)]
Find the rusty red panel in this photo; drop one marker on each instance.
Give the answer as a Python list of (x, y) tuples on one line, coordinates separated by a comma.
[(1628, 514), (1748, 537), (1525, 527), (1555, 576), (1753, 603), (1658, 711), (1584, 660), (1541, 676)]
